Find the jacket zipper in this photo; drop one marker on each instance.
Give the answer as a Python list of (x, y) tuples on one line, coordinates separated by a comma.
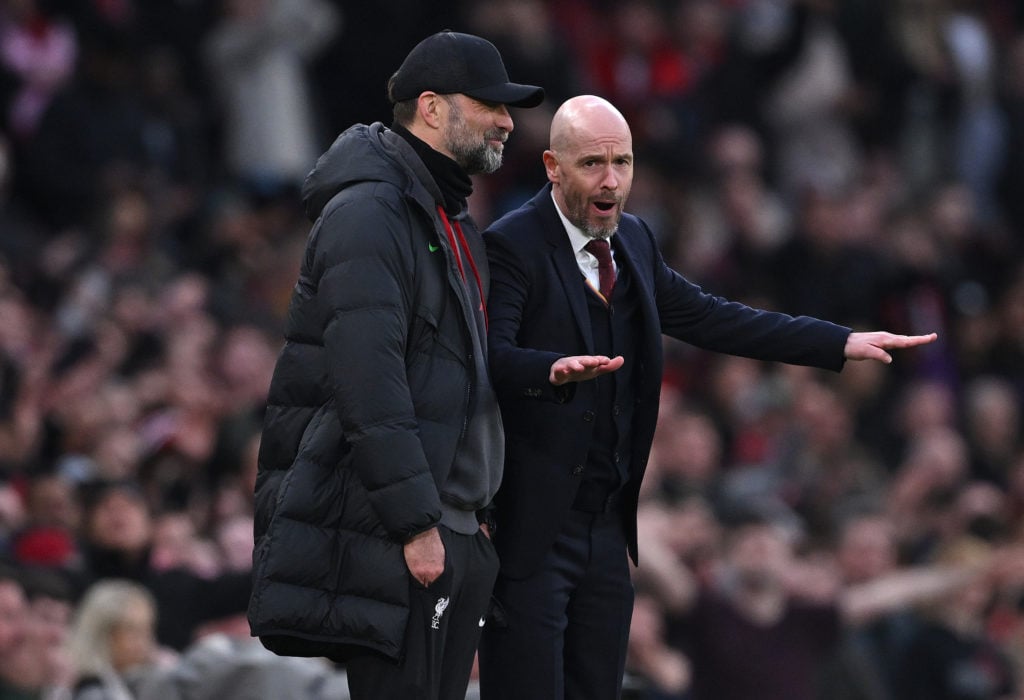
[(457, 246), (469, 398)]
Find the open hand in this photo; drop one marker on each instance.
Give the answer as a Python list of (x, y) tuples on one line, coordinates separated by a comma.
[(873, 345), (580, 368)]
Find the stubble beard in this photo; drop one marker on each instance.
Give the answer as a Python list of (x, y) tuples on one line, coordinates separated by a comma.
[(577, 215), (475, 157)]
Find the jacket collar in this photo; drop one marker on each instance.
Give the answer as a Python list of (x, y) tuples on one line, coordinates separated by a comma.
[(563, 259)]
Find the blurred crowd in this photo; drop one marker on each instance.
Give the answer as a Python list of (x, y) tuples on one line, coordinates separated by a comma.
[(803, 534)]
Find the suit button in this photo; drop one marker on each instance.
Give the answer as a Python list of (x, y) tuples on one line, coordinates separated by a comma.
[(588, 416), (615, 457), (577, 470), (616, 410)]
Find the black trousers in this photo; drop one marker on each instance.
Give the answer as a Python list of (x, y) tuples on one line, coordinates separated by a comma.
[(561, 633), (445, 621)]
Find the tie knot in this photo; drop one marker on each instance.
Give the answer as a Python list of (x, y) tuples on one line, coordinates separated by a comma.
[(600, 249)]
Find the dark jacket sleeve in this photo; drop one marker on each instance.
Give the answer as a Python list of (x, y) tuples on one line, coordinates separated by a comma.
[(518, 367), (713, 323), (365, 269)]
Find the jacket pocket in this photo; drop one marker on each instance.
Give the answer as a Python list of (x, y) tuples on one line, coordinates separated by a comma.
[(442, 585), (428, 337)]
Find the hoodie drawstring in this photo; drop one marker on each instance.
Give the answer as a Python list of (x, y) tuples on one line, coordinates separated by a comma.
[(463, 246)]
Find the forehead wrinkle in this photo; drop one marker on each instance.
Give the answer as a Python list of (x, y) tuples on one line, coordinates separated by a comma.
[(603, 149)]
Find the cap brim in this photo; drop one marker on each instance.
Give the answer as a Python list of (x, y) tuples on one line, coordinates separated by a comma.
[(512, 94)]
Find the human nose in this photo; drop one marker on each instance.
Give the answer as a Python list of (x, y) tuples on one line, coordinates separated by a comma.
[(504, 119), (609, 178)]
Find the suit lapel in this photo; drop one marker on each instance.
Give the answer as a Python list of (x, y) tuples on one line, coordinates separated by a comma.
[(563, 259), (630, 255), (627, 255)]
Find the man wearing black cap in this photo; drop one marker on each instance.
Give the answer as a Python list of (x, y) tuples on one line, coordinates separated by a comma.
[(382, 445)]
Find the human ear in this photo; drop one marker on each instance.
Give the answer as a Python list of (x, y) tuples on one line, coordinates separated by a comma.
[(429, 108), (551, 165)]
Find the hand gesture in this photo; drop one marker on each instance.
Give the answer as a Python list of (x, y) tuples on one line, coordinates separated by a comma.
[(873, 345), (580, 368)]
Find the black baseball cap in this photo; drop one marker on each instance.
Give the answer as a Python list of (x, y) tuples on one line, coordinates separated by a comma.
[(450, 62)]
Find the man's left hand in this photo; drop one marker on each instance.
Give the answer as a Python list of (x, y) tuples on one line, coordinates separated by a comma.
[(873, 345)]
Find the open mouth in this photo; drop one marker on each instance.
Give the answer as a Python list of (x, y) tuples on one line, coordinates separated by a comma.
[(605, 206)]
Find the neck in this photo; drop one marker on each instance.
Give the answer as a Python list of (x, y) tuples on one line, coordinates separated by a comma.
[(431, 137), (556, 194), (454, 183)]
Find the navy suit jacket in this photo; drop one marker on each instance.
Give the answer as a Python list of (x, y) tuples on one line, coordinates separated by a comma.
[(538, 313)]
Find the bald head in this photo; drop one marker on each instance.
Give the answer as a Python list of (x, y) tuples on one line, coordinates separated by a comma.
[(590, 164), (583, 119)]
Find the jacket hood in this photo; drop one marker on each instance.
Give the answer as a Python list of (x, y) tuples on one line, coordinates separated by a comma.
[(368, 153)]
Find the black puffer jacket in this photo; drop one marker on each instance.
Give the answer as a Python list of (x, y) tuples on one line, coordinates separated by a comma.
[(368, 406)]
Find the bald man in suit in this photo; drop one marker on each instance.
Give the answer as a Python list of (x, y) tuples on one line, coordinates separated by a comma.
[(580, 297)]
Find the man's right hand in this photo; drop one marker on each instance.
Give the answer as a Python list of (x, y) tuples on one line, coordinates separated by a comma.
[(580, 368), (424, 556)]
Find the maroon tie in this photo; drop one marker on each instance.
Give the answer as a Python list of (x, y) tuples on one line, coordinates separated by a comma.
[(600, 249)]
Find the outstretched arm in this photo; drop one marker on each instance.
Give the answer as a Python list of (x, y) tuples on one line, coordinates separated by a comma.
[(873, 345)]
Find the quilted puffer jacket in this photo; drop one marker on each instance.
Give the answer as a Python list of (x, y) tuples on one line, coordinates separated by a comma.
[(368, 408)]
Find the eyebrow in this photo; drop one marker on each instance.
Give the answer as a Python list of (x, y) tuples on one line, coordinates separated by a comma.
[(584, 157)]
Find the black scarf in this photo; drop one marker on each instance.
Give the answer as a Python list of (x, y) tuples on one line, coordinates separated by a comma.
[(450, 177)]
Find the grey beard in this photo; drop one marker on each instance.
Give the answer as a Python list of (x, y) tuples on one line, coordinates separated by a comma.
[(577, 217), (597, 233), (478, 160)]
